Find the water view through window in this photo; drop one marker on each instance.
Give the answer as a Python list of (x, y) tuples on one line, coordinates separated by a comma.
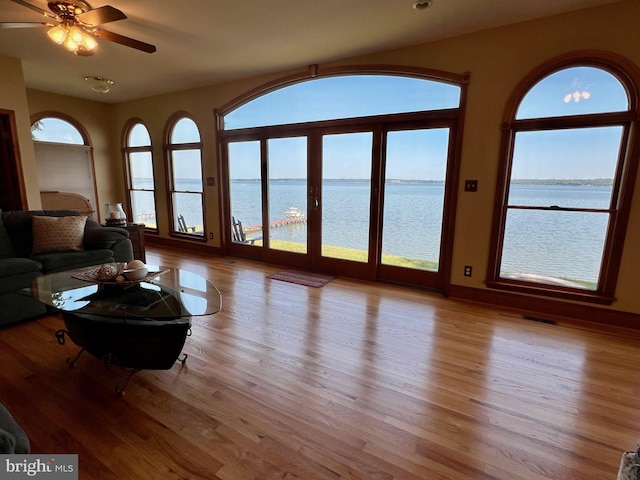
[(413, 203), (141, 184), (328, 186), (184, 154), (561, 192)]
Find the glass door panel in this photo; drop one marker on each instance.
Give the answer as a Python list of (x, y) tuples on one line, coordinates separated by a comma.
[(346, 195), (287, 167), (245, 188), (416, 164)]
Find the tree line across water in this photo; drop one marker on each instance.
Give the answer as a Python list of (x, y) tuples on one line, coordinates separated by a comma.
[(594, 182)]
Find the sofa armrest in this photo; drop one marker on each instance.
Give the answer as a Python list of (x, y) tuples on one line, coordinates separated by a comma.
[(113, 238), (103, 237)]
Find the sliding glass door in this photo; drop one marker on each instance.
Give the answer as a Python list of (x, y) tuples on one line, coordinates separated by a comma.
[(353, 172), (369, 203), (287, 193), (245, 192), (413, 205), (346, 196)]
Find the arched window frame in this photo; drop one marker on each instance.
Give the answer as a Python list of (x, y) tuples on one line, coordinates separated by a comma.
[(629, 76), (190, 231), (348, 124), (88, 188), (66, 118), (314, 71), (148, 218)]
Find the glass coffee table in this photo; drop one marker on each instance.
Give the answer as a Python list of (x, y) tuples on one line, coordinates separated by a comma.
[(135, 325)]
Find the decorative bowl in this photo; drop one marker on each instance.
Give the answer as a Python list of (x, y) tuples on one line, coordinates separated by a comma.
[(135, 274)]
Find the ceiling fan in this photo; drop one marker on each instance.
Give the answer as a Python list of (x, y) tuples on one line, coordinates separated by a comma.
[(74, 24)]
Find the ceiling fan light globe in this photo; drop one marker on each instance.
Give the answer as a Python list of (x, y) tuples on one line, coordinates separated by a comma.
[(70, 45), (88, 42), (58, 34), (75, 34)]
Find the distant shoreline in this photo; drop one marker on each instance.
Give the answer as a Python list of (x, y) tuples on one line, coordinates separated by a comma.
[(588, 182), (591, 182), (582, 182)]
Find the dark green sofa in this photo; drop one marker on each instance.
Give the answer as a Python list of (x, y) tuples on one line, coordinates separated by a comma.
[(13, 439), (18, 267)]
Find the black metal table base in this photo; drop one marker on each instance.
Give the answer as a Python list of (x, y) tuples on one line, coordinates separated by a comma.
[(134, 346)]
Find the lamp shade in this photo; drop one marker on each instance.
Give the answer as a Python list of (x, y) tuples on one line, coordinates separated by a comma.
[(88, 42), (74, 37), (58, 33)]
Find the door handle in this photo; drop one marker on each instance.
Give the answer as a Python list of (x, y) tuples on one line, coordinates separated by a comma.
[(313, 203)]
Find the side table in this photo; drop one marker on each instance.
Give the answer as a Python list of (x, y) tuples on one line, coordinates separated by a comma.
[(136, 235)]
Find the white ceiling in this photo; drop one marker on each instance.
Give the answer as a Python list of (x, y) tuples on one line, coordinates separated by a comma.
[(201, 42)]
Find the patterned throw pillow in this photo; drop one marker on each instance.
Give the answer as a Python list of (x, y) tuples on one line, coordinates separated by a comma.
[(57, 234)]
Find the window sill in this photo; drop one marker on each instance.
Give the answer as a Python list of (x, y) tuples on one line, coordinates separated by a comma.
[(564, 293), (188, 236)]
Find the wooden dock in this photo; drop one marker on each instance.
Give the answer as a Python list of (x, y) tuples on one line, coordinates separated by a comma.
[(275, 224)]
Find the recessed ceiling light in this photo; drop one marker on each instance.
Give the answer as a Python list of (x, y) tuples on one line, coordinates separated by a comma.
[(422, 4)]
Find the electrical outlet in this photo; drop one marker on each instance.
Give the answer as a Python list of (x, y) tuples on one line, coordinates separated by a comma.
[(210, 235), (471, 185), (467, 270)]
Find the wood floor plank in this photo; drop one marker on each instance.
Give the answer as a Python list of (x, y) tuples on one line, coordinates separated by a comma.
[(354, 380)]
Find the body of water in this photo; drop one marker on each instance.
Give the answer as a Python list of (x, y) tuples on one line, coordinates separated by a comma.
[(556, 244)]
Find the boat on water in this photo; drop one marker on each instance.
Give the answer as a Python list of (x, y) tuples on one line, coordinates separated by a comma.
[(294, 213)]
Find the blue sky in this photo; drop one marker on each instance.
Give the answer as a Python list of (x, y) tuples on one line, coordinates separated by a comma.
[(588, 153), (343, 97), (576, 153), (58, 131), (349, 155)]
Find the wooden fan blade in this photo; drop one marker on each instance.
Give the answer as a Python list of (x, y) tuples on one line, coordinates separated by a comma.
[(24, 24), (35, 8), (101, 15), (122, 40)]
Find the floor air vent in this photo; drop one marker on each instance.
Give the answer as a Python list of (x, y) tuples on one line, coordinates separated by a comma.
[(540, 320)]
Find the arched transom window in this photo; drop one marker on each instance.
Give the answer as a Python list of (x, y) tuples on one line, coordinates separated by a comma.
[(56, 130)]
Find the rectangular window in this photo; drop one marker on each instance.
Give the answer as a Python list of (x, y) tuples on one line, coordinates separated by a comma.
[(186, 193), (554, 247), (142, 192)]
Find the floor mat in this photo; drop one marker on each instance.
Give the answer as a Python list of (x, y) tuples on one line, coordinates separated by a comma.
[(299, 277)]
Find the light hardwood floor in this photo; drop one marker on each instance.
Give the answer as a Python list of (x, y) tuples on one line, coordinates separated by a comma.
[(354, 380)]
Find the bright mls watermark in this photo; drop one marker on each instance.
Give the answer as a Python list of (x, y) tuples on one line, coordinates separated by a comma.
[(50, 467)]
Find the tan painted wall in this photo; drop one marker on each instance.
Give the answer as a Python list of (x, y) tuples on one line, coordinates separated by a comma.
[(497, 60), (13, 96)]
